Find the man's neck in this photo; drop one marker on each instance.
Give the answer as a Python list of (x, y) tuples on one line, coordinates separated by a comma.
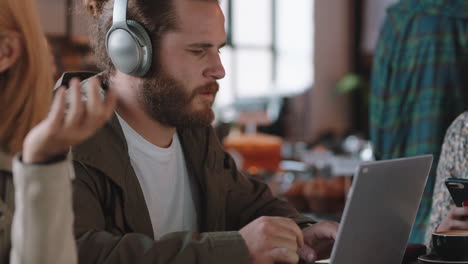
[(131, 110)]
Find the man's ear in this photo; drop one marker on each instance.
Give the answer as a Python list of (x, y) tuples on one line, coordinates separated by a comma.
[(10, 50)]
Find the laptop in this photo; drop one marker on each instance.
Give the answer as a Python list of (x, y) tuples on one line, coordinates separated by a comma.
[(380, 211)]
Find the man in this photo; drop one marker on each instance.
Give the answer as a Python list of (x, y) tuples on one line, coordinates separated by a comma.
[(419, 84), (155, 185)]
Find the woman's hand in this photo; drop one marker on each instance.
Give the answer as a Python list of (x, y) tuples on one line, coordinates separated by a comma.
[(456, 219), (61, 130)]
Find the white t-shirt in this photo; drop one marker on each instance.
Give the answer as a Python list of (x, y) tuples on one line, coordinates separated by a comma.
[(164, 180)]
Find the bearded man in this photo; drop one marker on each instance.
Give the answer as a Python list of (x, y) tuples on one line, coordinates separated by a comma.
[(155, 185)]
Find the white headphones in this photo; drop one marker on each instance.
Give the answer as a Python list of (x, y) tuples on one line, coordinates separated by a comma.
[(128, 44)]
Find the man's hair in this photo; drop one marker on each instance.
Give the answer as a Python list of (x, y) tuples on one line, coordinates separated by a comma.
[(156, 16), (26, 87)]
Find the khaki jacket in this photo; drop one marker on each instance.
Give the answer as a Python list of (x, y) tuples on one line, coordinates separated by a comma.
[(112, 223), (36, 218), (7, 206)]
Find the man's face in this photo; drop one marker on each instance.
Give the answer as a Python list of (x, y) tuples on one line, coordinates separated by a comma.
[(184, 88)]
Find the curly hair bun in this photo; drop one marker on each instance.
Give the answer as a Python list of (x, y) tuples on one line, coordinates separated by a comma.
[(94, 7)]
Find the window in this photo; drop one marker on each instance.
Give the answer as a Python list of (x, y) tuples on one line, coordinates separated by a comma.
[(269, 51)]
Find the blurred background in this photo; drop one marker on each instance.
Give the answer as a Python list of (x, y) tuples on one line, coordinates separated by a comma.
[(293, 108)]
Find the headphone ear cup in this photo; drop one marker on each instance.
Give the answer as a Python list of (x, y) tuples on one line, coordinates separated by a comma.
[(129, 47), (140, 33)]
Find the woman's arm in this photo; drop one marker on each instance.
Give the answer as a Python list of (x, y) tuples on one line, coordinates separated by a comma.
[(42, 229)]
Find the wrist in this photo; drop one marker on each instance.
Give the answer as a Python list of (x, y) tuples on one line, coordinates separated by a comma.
[(31, 158)]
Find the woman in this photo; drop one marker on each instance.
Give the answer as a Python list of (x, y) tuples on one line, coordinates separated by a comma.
[(35, 190), (453, 164)]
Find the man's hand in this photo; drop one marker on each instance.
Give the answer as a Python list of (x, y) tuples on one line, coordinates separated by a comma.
[(273, 239), (319, 239), (59, 131), (456, 219)]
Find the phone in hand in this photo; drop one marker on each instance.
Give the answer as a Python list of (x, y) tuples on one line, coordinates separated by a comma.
[(458, 189)]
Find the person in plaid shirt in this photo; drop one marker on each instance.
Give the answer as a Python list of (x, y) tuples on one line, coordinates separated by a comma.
[(419, 84)]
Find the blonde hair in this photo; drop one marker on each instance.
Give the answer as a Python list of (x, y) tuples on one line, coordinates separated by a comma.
[(26, 87)]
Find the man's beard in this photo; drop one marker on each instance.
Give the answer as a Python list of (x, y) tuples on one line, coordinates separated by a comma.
[(167, 101)]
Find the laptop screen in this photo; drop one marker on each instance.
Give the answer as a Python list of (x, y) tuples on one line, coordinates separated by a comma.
[(380, 211)]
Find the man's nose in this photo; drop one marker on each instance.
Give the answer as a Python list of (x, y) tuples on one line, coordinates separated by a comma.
[(216, 69)]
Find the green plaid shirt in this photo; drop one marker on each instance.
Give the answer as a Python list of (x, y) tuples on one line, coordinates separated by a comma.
[(419, 84)]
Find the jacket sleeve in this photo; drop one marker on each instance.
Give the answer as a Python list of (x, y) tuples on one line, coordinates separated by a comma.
[(42, 229), (247, 198), (97, 244)]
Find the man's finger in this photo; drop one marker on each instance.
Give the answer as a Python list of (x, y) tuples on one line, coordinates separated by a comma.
[(278, 241), (283, 255), (321, 230), (307, 253), (292, 227)]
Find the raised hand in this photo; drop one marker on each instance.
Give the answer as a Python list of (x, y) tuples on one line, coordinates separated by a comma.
[(273, 239), (60, 129)]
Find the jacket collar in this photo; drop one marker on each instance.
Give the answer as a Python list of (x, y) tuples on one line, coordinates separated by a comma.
[(5, 161), (107, 151)]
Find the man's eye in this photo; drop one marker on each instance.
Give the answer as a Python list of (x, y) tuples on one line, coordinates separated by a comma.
[(196, 52)]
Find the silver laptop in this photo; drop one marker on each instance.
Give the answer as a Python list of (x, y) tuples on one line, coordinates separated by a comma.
[(380, 211)]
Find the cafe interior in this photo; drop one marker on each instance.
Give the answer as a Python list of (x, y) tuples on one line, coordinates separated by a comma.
[(294, 98), (293, 109)]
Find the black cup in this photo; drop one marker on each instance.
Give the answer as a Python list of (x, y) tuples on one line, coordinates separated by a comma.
[(451, 245)]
